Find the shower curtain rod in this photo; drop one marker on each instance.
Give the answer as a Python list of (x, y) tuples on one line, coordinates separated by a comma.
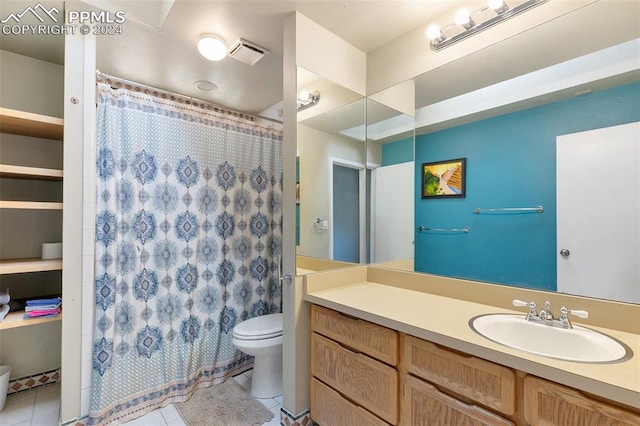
[(112, 80)]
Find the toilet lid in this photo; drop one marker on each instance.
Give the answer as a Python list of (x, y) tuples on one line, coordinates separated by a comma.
[(262, 327)]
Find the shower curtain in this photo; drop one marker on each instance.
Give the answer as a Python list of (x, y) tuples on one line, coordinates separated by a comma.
[(188, 235)]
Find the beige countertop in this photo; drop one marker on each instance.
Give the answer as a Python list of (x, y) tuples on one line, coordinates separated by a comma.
[(444, 320)]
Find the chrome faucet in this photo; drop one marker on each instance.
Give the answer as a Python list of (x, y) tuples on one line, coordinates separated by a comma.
[(545, 313), (545, 316)]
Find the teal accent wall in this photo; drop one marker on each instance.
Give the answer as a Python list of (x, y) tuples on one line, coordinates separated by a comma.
[(511, 162), (397, 152)]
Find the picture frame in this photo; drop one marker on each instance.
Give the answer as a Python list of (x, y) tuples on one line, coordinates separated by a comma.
[(444, 179)]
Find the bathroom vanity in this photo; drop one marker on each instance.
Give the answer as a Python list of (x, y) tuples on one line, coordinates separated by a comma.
[(382, 353)]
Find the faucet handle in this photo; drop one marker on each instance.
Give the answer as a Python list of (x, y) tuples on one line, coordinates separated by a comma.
[(581, 314), (531, 305), (564, 318)]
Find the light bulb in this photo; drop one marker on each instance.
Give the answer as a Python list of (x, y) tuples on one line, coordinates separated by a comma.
[(433, 32), (212, 47), (497, 5), (304, 95), (462, 17)]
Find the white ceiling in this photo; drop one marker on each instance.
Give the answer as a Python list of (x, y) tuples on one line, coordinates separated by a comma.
[(158, 46)]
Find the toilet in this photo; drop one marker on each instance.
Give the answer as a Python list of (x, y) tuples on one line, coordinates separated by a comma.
[(262, 337)]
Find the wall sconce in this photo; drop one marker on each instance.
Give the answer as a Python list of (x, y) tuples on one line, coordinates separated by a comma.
[(306, 99), (468, 23)]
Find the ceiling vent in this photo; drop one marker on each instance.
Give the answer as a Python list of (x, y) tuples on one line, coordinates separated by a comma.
[(247, 52)]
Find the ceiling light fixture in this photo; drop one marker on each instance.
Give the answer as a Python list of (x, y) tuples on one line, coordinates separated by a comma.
[(307, 99), (468, 23), (212, 47)]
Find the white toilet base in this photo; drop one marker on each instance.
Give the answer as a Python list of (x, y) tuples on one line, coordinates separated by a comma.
[(266, 380)]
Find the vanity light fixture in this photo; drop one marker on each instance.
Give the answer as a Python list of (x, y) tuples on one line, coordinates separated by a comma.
[(307, 99), (212, 47), (468, 23)]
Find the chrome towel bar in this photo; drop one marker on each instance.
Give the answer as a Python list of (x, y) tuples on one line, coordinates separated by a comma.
[(466, 229), (538, 209)]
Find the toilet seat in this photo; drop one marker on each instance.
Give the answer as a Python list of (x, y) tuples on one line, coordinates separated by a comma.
[(259, 328)]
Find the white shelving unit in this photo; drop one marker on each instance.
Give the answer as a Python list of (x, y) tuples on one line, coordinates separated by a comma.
[(37, 126)]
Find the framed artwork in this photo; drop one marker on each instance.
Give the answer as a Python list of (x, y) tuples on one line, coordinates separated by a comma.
[(444, 179)]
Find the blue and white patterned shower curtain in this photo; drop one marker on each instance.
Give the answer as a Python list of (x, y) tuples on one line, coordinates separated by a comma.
[(188, 235)]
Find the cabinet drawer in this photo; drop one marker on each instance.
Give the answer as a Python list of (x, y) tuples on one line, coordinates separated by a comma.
[(363, 336), (547, 403), (423, 404), (329, 408), (365, 381), (484, 382)]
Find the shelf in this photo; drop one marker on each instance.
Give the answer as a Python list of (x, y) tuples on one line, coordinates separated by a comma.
[(16, 319), (19, 266), (24, 172), (30, 205), (29, 124)]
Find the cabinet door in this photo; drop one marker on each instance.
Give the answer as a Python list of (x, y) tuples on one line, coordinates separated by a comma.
[(371, 339), (423, 404), (362, 379), (547, 403), (329, 408), (484, 382)]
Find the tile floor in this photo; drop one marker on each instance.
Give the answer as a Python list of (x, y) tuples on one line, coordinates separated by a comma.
[(41, 407)]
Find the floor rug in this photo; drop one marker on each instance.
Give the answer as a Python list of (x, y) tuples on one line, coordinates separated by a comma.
[(226, 404)]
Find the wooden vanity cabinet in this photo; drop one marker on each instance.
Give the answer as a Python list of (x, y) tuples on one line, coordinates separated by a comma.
[(424, 404), (328, 407), (548, 403), (369, 375), (353, 367), (483, 383)]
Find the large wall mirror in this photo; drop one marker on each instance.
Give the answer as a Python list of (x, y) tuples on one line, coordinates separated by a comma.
[(508, 137), (518, 159), (331, 172), (390, 145), (355, 172)]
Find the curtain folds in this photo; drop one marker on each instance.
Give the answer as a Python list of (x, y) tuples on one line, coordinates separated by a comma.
[(188, 241)]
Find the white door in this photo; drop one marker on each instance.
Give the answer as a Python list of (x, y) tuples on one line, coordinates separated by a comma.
[(598, 216), (393, 229)]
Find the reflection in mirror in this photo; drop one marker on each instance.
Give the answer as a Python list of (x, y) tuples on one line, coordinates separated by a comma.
[(331, 173), (511, 156), (390, 139)]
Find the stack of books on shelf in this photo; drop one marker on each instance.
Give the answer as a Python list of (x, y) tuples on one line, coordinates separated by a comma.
[(42, 308)]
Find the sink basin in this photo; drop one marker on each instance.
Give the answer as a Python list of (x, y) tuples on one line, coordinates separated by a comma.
[(578, 344)]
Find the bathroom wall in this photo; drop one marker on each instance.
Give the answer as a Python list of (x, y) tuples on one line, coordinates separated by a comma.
[(31, 85), (313, 48), (510, 163), (314, 200), (397, 152)]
